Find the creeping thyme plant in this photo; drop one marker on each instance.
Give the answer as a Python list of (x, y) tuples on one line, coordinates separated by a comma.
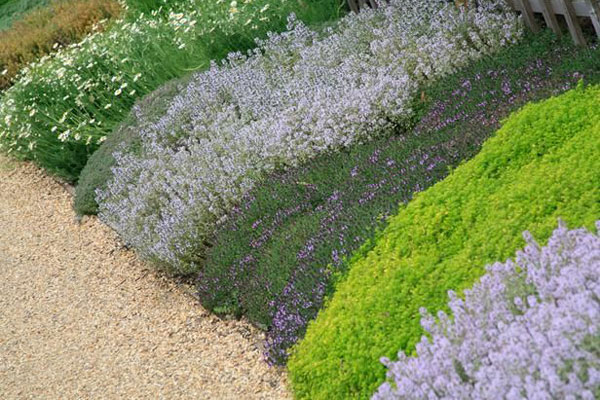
[(529, 329), (299, 94), (542, 165), (282, 248)]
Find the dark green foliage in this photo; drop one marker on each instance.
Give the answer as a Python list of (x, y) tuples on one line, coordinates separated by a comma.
[(274, 259), (543, 164)]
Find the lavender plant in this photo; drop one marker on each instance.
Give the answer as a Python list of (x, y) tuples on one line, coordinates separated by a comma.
[(63, 106), (267, 259), (299, 94), (529, 329)]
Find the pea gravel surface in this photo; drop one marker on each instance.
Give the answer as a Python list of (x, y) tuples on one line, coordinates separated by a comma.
[(82, 317)]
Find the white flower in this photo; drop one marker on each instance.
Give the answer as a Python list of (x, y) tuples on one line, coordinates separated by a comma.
[(65, 135)]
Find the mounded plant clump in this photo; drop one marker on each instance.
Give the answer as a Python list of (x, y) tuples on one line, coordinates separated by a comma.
[(98, 169), (529, 329), (299, 94), (276, 257), (63, 106), (541, 165)]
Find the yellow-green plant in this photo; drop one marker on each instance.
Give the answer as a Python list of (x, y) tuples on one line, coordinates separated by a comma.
[(543, 164)]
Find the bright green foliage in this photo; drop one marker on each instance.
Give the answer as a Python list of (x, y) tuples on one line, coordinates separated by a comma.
[(544, 163)]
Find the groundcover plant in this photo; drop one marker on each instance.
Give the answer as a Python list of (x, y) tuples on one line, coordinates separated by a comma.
[(529, 329), (282, 248), (63, 106), (541, 165), (299, 94)]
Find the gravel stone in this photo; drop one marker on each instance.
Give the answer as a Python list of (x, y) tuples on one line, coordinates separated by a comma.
[(82, 317)]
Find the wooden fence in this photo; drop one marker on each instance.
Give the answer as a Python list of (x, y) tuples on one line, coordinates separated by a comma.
[(571, 10)]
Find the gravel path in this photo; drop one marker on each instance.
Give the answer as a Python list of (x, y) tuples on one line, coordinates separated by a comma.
[(81, 317)]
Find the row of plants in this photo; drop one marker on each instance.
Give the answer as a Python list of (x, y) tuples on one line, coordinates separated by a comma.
[(277, 256), (40, 32), (62, 107), (529, 329), (541, 165), (298, 95)]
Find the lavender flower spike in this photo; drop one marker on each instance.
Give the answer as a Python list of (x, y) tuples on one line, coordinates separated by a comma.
[(530, 329)]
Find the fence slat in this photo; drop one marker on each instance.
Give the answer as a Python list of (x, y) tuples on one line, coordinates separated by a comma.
[(373, 3), (353, 6), (525, 8), (595, 15), (549, 16), (574, 28)]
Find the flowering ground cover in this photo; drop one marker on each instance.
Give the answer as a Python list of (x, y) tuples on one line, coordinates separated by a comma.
[(541, 165), (63, 106), (300, 94), (43, 29), (278, 254), (529, 329)]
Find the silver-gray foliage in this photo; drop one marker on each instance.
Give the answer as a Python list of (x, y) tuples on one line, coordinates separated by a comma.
[(298, 94)]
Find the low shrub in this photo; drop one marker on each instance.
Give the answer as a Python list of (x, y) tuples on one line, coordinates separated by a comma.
[(541, 165), (41, 30), (98, 169), (63, 106), (301, 93), (530, 329), (273, 259)]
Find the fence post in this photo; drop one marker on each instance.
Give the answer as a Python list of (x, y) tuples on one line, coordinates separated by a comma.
[(574, 28), (595, 15), (549, 16), (528, 15)]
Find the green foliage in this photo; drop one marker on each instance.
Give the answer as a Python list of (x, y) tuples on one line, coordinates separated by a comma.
[(11, 10), (544, 163), (97, 171), (272, 249), (89, 88)]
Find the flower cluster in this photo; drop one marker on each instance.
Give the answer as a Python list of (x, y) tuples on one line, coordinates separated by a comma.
[(299, 94), (266, 261), (64, 105), (529, 329)]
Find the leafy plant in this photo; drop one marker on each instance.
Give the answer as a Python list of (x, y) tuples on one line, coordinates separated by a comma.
[(62, 107), (541, 165), (277, 255), (42, 30), (300, 94), (11, 10), (528, 329)]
